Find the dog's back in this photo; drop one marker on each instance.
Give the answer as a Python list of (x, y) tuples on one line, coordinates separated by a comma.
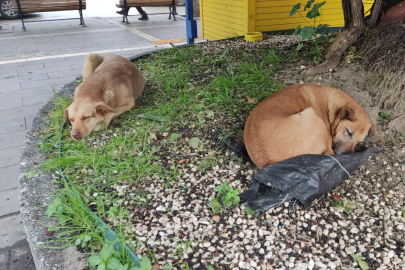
[(104, 74), (299, 120)]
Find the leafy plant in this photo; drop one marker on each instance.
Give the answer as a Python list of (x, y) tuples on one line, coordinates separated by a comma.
[(360, 260), (337, 203), (226, 196), (308, 32), (385, 117), (401, 135), (145, 264), (106, 259)]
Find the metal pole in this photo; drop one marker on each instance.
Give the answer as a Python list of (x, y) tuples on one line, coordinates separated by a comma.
[(191, 24)]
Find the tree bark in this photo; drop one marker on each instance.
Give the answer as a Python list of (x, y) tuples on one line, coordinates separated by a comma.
[(196, 8), (348, 36), (347, 12)]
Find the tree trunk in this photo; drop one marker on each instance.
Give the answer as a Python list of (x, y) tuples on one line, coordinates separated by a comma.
[(196, 8), (350, 34)]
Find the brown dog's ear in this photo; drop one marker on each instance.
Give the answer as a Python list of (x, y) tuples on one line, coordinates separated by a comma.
[(371, 131), (103, 108), (66, 115), (348, 113)]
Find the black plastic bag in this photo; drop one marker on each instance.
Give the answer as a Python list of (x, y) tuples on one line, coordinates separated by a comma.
[(304, 178)]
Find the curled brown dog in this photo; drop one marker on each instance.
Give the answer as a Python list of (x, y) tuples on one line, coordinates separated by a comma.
[(110, 86), (305, 119)]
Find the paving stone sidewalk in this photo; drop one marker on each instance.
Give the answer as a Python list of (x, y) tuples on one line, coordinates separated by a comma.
[(34, 64)]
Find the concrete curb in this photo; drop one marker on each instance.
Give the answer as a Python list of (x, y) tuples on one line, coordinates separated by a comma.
[(36, 193)]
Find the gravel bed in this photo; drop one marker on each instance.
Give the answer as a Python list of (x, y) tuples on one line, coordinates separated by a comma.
[(365, 215)]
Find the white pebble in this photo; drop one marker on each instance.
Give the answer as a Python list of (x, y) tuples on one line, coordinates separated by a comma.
[(311, 264)]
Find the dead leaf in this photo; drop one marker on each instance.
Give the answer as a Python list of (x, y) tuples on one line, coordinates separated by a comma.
[(153, 136), (155, 267), (216, 218), (252, 100), (165, 134), (181, 161)]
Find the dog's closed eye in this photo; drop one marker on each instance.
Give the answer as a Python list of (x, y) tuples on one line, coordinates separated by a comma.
[(85, 117)]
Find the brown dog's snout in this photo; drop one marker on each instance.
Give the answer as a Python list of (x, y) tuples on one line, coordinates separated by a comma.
[(339, 149), (76, 135)]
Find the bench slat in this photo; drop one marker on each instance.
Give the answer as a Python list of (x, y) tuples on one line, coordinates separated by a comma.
[(52, 1), (148, 2), (47, 5)]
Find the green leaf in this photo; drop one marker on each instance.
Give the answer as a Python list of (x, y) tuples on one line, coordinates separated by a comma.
[(62, 220), (363, 265), (78, 241), (174, 136), (403, 212), (155, 167), (357, 256), (78, 80), (385, 117), (199, 106), (113, 263), (145, 263), (210, 268), (347, 211), (308, 4), (101, 266), (94, 260), (307, 32), (299, 46), (9, 77), (228, 197), (153, 117), (30, 174), (194, 142), (210, 114), (314, 12), (87, 238), (294, 9), (236, 199), (216, 206), (107, 251), (297, 30), (367, 32), (123, 267)]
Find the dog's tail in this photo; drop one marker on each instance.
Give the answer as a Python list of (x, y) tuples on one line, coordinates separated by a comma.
[(93, 60)]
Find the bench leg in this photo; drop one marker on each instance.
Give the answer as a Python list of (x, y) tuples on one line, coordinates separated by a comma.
[(21, 15), (81, 13), (173, 11), (125, 13)]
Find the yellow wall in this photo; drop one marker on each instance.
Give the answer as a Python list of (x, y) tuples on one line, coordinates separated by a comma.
[(221, 20), (230, 18)]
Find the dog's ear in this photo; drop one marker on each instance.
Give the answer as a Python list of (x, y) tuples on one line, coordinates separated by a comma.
[(103, 108), (371, 131), (348, 113), (66, 115)]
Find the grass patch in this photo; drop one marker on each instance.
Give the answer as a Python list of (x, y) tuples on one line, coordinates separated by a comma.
[(190, 94)]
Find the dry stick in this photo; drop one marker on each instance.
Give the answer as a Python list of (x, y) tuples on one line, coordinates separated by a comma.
[(395, 120)]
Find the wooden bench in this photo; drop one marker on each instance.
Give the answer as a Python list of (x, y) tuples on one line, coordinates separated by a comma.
[(148, 3), (31, 6)]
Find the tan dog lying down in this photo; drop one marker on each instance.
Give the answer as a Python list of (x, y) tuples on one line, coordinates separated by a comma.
[(110, 86), (305, 119)]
